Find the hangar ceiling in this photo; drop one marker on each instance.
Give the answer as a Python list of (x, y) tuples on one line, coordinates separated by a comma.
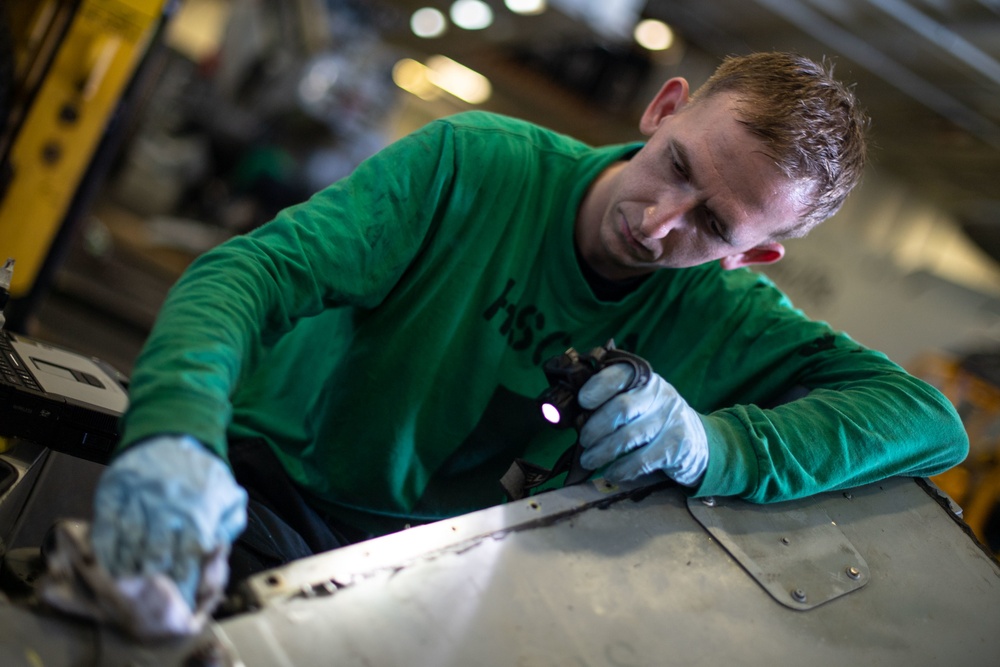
[(928, 71)]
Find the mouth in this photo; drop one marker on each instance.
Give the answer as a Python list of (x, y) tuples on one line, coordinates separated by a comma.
[(630, 239)]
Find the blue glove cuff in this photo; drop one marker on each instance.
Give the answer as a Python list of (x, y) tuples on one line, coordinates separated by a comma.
[(166, 505), (646, 430)]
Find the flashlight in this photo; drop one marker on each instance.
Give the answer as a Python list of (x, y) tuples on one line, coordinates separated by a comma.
[(569, 371), (566, 373)]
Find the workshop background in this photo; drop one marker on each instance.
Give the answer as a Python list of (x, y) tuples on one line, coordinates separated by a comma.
[(225, 111)]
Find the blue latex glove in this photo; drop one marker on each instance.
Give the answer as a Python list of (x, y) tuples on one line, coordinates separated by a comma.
[(642, 431), (164, 506)]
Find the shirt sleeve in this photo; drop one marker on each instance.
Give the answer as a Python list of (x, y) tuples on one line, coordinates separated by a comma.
[(348, 245), (864, 418)]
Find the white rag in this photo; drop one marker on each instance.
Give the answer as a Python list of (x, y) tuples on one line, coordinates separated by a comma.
[(148, 607)]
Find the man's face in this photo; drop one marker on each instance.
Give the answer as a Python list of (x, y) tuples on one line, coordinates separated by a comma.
[(701, 189)]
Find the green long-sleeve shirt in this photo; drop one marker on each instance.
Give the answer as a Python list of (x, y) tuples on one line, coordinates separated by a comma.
[(386, 339)]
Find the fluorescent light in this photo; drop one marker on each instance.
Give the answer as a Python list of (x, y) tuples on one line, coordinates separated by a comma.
[(411, 76), (471, 14), (526, 7), (441, 74), (653, 35), (459, 80), (428, 22)]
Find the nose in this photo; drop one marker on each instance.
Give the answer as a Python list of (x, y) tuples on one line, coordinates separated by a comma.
[(666, 215)]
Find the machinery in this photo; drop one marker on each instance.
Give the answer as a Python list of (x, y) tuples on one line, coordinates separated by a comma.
[(67, 65)]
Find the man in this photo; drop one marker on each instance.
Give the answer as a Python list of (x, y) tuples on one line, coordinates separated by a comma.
[(369, 359)]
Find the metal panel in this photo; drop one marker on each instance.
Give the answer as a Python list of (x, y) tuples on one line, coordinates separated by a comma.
[(799, 556), (636, 583), (589, 576), (26, 459)]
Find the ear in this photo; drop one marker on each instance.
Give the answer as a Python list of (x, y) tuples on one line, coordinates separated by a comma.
[(769, 253), (672, 96)]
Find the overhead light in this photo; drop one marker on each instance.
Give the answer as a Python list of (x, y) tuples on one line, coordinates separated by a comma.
[(464, 83), (428, 23), (653, 35), (441, 74), (526, 7), (471, 14), (411, 76)]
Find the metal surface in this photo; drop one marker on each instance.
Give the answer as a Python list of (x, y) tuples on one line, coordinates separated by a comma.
[(325, 573), (800, 556), (588, 576), (636, 583), (26, 459), (64, 490)]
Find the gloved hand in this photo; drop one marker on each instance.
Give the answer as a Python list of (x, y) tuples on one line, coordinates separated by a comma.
[(648, 429), (165, 506)]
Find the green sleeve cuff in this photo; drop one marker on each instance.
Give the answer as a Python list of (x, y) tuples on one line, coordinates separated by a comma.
[(176, 414), (732, 463)]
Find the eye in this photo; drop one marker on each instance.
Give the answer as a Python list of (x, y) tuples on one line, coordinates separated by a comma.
[(679, 168), (713, 225), (678, 164)]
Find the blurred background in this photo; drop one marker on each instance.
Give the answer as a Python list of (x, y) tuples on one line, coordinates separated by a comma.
[(139, 133)]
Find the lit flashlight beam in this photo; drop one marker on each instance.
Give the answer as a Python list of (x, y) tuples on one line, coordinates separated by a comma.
[(551, 413)]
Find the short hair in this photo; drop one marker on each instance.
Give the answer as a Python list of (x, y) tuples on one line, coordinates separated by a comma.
[(811, 123)]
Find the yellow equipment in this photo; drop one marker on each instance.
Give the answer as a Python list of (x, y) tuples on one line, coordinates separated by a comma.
[(73, 60)]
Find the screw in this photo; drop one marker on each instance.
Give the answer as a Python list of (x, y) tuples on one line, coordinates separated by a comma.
[(853, 572), (69, 113), (848, 495), (785, 540), (799, 595), (51, 152), (709, 501)]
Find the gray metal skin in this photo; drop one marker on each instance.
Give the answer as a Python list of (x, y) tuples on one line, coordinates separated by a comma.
[(592, 575), (27, 460)]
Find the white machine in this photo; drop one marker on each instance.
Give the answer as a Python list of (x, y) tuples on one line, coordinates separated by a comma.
[(56, 397)]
